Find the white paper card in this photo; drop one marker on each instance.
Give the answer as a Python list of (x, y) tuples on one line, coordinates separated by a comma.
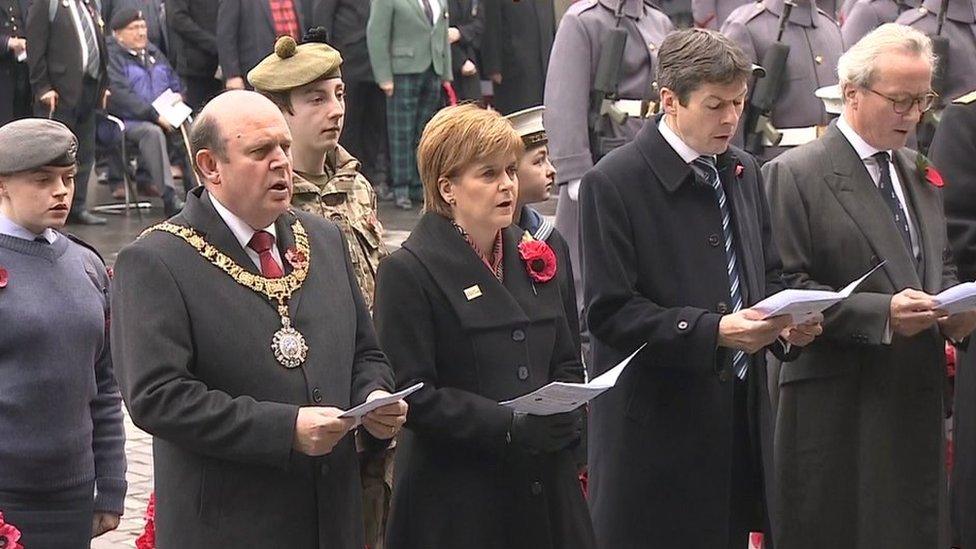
[(803, 303), (958, 299), (171, 107), (367, 407), (559, 396)]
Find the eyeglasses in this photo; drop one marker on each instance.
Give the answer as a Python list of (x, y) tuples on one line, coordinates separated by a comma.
[(904, 105)]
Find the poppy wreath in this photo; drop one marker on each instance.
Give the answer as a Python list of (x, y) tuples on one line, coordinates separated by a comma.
[(539, 259)]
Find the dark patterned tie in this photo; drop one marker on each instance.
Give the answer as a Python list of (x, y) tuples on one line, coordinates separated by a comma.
[(91, 42), (706, 167), (887, 189), (428, 11)]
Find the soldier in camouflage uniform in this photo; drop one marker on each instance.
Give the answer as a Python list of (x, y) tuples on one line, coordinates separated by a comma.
[(305, 82)]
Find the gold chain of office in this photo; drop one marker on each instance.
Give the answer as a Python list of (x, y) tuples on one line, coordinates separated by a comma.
[(288, 344)]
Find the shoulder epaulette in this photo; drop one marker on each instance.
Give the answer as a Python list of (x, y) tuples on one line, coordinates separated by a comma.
[(912, 16), (966, 99)]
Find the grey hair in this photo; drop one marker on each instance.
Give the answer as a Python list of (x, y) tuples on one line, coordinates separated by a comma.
[(689, 58), (857, 66)]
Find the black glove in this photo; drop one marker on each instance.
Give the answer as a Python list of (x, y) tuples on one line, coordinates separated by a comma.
[(543, 434)]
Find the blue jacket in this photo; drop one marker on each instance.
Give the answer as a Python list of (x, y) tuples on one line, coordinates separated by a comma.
[(135, 85)]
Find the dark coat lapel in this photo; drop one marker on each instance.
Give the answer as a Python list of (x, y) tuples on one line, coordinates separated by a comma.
[(852, 185), (455, 267), (743, 220)]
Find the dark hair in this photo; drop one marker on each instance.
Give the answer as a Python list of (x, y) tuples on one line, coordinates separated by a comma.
[(692, 57), (205, 134)]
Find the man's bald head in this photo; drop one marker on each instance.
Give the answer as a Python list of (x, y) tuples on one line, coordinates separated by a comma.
[(223, 116)]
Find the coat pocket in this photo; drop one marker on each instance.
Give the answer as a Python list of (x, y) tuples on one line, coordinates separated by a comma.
[(209, 497), (402, 51)]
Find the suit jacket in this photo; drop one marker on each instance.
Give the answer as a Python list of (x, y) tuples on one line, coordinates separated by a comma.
[(402, 41), (859, 434), (54, 52), (246, 34), (953, 151), (14, 76), (459, 482), (660, 443), (193, 35), (517, 44), (197, 372), (469, 18), (345, 21)]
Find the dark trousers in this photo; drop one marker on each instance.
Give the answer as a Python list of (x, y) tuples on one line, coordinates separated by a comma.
[(416, 97), (16, 93), (80, 119), (962, 489), (200, 89), (51, 520), (748, 513), (364, 130)]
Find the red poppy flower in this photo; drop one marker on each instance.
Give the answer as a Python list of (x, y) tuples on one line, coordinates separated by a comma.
[(739, 169), (756, 540), (147, 540), (9, 535), (110, 272), (539, 259), (296, 258), (933, 176), (3, 277)]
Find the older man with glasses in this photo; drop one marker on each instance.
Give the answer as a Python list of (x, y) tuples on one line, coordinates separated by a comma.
[(859, 448)]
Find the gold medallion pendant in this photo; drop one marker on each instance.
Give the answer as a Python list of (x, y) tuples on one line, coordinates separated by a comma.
[(287, 344)]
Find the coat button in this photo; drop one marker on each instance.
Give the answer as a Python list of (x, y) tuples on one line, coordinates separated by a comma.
[(316, 395), (523, 372), (713, 240), (723, 376), (722, 307), (324, 468), (682, 325), (518, 335), (536, 488)]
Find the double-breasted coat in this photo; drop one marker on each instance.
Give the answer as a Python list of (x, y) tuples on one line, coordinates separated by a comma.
[(517, 42), (194, 358), (953, 153), (459, 482), (661, 456), (866, 15), (960, 29), (859, 449)]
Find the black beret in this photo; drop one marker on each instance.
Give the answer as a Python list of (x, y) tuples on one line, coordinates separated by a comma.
[(124, 17)]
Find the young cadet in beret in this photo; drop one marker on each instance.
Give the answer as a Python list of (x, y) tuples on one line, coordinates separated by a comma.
[(304, 81), (62, 458)]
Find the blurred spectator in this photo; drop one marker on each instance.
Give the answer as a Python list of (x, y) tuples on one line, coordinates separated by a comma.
[(409, 51), (139, 73), (515, 51), (193, 37), (68, 76), (467, 28), (15, 93), (247, 29), (364, 134), (152, 10)]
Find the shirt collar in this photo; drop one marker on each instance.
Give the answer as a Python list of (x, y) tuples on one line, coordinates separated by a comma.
[(242, 231), (684, 151), (10, 228), (863, 149)]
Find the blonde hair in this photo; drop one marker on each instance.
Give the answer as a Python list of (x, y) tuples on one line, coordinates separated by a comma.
[(857, 65), (453, 140)]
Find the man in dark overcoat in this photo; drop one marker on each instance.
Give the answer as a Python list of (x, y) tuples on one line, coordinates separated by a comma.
[(252, 340), (15, 91), (677, 246), (515, 51)]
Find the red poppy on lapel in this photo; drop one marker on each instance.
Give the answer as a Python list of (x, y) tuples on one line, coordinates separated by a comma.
[(4, 277), (296, 258), (927, 171), (739, 170), (539, 259), (9, 535)]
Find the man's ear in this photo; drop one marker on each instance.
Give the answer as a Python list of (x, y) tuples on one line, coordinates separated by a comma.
[(206, 162)]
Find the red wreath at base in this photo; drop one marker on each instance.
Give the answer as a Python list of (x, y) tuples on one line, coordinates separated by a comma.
[(147, 540), (9, 535)]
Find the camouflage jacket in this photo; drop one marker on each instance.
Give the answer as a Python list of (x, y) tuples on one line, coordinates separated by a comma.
[(345, 197)]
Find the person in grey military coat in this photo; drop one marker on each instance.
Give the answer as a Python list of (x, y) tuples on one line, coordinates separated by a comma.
[(710, 14), (960, 29), (860, 446), (515, 51), (862, 16), (572, 69), (815, 45)]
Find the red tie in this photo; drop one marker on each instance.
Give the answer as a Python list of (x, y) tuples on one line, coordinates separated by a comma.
[(262, 242)]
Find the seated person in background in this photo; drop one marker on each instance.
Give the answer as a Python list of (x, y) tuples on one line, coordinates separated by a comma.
[(138, 74)]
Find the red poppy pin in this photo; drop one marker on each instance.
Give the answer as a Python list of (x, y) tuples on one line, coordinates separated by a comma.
[(539, 259), (9, 535), (928, 171), (296, 258), (4, 278), (739, 170)]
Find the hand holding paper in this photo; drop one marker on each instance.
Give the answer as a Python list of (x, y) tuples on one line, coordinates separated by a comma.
[(370, 405), (801, 303)]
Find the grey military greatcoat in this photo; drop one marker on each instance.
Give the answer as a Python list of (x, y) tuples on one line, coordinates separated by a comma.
[(864, 16), (960, 28), (815, 46)]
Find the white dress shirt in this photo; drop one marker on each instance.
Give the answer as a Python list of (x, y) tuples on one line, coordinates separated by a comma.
[(683, 149), (435, 8), (866, 153), (244, 232), (10, 228), (77, 12)]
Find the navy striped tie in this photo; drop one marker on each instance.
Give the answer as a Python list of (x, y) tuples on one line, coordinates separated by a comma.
[(706, 167)]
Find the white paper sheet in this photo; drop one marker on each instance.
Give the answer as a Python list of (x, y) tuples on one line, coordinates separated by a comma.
[(957, 299), (172, 108), (367, 407), (559, 396), (803, 303)]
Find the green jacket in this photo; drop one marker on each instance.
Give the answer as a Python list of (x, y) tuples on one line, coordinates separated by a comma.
[(402, 41)]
